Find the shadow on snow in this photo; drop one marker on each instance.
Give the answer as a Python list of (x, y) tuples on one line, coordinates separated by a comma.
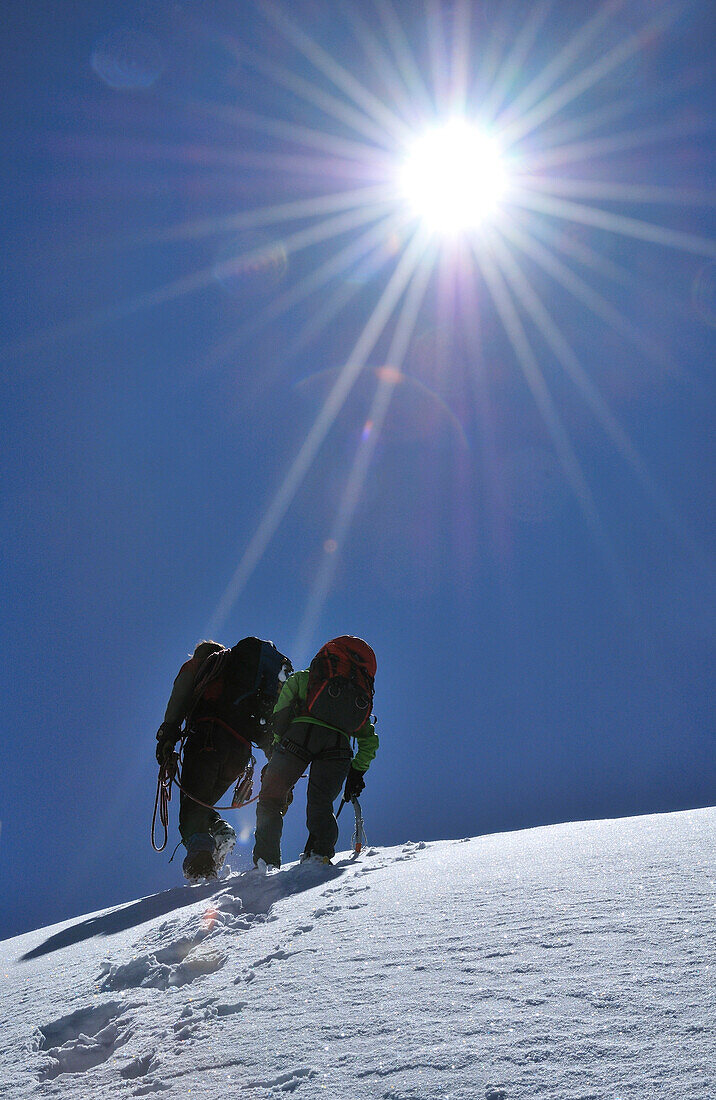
[(256, 893)]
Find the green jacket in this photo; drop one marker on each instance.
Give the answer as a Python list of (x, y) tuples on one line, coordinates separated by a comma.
[(293, 699)]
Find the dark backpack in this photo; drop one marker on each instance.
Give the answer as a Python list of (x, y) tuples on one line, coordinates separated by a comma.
[(240, 686), (340, 684)]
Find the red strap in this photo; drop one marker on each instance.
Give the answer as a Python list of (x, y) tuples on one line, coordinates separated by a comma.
[(198, 721)]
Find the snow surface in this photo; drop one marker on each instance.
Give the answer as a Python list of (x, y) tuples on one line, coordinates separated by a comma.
[(573, 962)]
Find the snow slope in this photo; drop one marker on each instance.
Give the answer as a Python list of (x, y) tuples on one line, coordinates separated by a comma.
[(574, 961)]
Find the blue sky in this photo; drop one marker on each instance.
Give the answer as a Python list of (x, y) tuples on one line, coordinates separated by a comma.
[(204, 242)]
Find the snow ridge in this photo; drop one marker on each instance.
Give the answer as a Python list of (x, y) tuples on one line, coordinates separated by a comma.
[(565, 963)]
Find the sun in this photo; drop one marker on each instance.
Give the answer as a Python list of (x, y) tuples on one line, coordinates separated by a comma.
[(453, 177)]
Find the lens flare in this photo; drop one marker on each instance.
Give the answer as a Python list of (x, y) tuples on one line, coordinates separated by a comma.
[(128, 59)]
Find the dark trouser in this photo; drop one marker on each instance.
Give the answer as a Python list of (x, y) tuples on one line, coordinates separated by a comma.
[(329, 755), (213, 760)]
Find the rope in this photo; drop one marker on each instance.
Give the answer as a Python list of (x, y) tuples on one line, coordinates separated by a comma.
[(208, 670), (167, 773), (208, 806), (168, 776), (248, 771)]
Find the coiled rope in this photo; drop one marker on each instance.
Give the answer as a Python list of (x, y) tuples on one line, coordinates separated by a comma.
[(168, 776)]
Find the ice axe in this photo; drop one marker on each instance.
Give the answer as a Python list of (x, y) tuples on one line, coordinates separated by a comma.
[(359, 838)]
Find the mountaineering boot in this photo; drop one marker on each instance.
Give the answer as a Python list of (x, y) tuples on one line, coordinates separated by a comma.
[(264, 868), (199, 860), (224, 841), (313, 859)]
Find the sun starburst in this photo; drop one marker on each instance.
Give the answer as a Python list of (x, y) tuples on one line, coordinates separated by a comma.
[(462, 149), (453, 177)]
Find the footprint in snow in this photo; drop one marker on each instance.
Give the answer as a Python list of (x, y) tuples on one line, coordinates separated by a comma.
[(301, 930), (173, 966), (326, 909), (346, 891), (151, 1086), (194, 1015), (248, 975), (230, 1009), (410, 849), (84, 1039), (186, 1026), (139, 1067), (285, 1082)]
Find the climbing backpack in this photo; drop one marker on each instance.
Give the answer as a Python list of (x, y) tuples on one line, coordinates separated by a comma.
[(239, 687), (340, 684)]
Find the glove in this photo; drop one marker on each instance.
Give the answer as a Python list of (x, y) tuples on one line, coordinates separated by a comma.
[(354, 784), (167, 737)]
